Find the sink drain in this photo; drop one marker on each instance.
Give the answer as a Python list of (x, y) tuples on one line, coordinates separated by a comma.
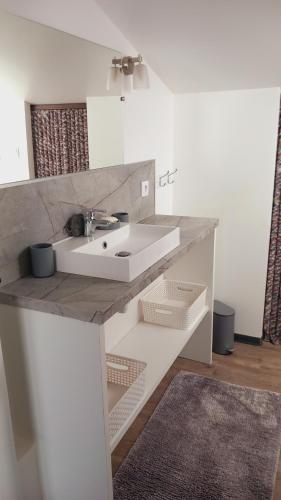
[(123, 253)]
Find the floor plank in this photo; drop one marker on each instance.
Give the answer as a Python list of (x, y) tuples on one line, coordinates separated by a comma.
[(254, 366)]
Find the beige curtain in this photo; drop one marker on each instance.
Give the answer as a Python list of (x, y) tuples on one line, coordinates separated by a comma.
[(60, 139)]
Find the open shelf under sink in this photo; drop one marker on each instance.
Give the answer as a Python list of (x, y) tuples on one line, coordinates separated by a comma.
[(158, 347)]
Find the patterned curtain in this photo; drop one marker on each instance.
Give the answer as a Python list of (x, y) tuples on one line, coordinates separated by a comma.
[(60, 139), (272, 311)]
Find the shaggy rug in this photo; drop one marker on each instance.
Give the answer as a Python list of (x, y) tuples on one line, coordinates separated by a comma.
[(206, 440)]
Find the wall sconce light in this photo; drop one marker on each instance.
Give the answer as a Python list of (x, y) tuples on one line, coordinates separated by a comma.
[(128, 71)]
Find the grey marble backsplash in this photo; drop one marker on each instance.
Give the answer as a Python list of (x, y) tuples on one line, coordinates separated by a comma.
[(36, 212)]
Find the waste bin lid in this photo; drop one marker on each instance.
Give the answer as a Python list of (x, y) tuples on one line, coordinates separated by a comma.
[(222, 309)]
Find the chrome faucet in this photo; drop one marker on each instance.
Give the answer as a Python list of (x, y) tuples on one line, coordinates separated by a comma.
[(91, 221)]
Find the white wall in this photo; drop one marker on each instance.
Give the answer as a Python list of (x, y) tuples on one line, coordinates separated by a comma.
[(225, 148), (148, 134), (148, 114)]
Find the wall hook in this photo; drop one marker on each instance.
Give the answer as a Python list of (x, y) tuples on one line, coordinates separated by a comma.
[(163, 179), (170, 174)]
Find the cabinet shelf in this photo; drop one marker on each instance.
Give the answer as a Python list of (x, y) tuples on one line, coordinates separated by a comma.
[(158, 346)]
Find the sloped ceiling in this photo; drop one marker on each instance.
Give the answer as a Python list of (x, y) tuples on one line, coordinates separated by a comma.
[(204, 45)]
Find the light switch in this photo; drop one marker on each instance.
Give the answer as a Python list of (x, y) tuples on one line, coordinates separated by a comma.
[(145, 188)]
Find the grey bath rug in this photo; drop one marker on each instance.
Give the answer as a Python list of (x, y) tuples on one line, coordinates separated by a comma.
[(206, 440)]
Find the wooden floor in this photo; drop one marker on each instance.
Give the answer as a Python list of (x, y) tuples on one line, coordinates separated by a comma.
[(258, 367)]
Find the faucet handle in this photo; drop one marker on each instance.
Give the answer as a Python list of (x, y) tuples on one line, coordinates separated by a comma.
[(89, 213), (94, 211)]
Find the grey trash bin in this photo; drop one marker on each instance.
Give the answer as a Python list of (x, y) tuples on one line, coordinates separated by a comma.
[(223, 329)]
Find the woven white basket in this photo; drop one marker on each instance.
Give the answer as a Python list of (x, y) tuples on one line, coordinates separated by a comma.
[(131, 375), (175, 304)]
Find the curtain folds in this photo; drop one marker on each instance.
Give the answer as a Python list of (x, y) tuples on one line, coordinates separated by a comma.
[(60, 140), (272, 311)]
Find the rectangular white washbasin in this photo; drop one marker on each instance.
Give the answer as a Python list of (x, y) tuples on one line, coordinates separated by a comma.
[(97, 255)]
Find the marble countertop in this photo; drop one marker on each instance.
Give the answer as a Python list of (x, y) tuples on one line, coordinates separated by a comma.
[(95, 299)]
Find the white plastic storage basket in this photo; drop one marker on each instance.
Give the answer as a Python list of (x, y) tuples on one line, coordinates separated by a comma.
[(126, 384), (175, 304)]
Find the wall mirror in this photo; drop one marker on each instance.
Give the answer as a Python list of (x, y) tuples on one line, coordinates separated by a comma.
[(56, 116)]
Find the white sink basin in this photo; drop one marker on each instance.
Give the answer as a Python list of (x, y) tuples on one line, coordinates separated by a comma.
[(96, 256)]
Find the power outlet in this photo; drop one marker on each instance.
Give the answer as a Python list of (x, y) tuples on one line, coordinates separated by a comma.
[(145, 188)]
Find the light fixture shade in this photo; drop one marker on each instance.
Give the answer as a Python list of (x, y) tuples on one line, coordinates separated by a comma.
[(113, 81), (126, 83), (140, 78)]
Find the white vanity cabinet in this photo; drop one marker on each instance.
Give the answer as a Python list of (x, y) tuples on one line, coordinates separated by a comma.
[(9, 484), (57, 382)]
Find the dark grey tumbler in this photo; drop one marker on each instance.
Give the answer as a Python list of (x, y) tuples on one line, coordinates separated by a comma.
[(223, 329), (42, 260)]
